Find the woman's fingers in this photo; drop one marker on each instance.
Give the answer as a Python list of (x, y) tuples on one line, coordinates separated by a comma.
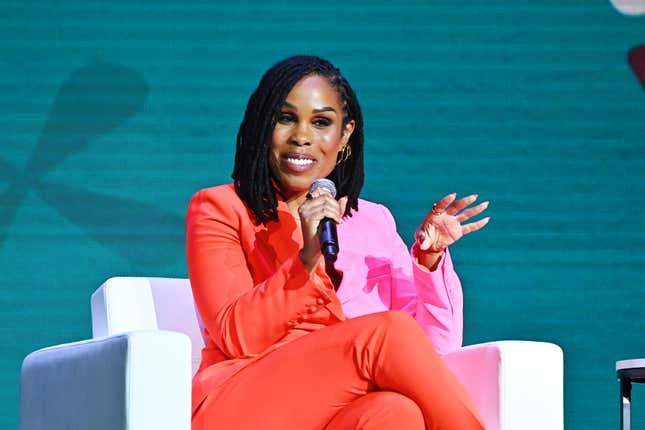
[(328, 212), (471, 212), (474, 226), (315, 215), (441, 205), (320, 191), (319, 207), (458, 205)]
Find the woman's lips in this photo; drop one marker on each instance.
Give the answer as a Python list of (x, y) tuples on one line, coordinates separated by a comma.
[(297, 163)]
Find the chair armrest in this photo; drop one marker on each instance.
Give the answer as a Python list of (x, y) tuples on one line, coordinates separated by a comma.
[(131, 381), (123, 304), (515, 384)]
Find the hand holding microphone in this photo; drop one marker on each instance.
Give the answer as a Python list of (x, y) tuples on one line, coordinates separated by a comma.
[(319, 215)]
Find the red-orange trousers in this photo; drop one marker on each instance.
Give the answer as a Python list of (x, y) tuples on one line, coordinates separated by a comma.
[(378, 371)]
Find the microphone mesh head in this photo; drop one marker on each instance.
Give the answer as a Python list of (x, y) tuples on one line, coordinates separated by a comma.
[(323, 183)]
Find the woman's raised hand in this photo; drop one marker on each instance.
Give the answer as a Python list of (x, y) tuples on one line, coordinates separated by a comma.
[(443, 225), (319, 204)]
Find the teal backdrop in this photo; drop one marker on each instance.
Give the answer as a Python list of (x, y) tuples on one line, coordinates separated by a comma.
[(112, 114)]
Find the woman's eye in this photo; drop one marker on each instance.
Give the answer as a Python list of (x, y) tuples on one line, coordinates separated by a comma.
[(286, 118), (322, 122)]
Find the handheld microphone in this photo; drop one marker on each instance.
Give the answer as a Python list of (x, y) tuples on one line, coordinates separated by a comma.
[(327, 227)]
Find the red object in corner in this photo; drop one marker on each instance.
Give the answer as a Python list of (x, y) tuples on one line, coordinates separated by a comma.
[(636, 58)]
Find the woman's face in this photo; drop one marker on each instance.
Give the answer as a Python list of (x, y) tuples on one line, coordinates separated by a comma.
[(308, 136)]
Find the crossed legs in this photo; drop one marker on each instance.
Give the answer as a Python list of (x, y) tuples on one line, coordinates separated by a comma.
[(378, 371)]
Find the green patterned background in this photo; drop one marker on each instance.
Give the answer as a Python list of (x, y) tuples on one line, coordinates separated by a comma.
[(113, 113)]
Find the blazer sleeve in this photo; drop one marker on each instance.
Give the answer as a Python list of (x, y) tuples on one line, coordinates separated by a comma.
[(243, 319), (435, 299)]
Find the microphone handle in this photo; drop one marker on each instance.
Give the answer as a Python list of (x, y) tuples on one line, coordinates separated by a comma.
[(328, 239)]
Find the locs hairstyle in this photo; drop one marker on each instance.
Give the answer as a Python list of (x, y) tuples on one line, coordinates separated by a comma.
[(251, 174)]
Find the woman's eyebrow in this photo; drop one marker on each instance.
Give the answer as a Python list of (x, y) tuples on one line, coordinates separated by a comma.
[(317, 110), (324, 109)]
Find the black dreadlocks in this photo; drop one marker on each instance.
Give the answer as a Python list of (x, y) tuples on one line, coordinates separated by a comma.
[(251, 174)]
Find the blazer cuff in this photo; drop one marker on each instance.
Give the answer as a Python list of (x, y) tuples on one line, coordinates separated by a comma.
[(427, 282), (318, 287)]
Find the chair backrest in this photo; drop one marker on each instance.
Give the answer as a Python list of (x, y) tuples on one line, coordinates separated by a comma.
[(124, 304)]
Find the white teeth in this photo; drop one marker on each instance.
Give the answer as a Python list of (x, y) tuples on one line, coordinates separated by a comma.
[(300, 161)]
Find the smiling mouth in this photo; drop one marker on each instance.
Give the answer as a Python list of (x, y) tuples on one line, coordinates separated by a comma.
[(297, 163), (300, 161)]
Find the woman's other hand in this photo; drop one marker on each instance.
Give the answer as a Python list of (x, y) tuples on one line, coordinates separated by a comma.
[(318, 205), (443, 226)]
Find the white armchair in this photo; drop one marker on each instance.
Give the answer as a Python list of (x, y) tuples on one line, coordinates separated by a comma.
[(135, 373)]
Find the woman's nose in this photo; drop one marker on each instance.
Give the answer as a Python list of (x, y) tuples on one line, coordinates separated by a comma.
[(301, 135)]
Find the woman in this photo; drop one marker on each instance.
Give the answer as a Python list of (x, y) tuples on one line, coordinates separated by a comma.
[(292, 342)]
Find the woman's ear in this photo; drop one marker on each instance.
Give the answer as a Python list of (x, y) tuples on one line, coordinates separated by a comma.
[(347, 132)]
